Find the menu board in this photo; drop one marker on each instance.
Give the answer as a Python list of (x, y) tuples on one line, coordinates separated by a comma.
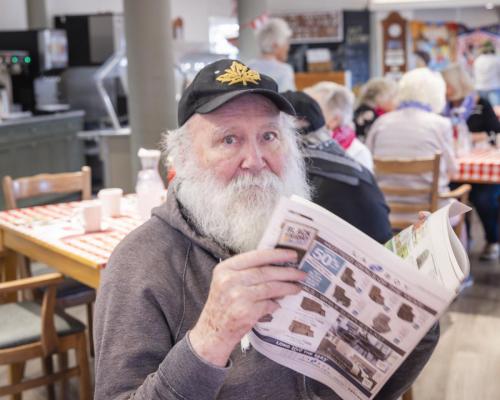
[(315, 27), (352, 54), (357, 46)]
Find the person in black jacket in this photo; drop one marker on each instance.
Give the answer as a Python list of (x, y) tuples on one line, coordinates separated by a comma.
[(340, 184), (466, 108)]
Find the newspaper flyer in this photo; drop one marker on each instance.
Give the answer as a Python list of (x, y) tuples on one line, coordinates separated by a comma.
[(425, 246), (361, 311)]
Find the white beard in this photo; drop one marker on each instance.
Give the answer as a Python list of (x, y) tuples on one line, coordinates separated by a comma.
[(235, 215)]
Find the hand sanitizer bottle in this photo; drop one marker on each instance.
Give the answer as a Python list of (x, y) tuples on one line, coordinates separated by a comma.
[(150, 188)]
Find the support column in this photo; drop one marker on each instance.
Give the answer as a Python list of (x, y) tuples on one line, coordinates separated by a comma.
[(248, 10), (151, 101), (38, 15)]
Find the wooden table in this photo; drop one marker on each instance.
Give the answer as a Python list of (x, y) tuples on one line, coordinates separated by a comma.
[(480, 166), (53, 234)]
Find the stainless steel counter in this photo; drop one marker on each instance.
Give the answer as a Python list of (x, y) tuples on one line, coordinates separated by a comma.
[(41, 118), (38, 144)]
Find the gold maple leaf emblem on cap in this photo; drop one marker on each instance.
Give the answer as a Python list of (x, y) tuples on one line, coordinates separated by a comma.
[(239, 73)]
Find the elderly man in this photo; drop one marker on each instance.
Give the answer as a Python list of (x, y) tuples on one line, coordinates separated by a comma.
[(181, 291)]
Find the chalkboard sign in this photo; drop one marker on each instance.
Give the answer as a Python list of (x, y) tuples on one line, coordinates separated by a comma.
[(357, 46), (352, 54)]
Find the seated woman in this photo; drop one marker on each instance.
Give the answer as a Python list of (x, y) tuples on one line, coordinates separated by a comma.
[(377, 97), (473, 113), (337, 103), (416, 130)]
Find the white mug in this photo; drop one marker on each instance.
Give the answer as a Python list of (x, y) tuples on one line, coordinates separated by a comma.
[(91, 214), (111, 201)]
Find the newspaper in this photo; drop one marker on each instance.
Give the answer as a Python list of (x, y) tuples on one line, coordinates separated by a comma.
[(363, 307)]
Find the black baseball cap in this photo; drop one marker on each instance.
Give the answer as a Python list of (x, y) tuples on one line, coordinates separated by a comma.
[(306, 108), (223, 80)]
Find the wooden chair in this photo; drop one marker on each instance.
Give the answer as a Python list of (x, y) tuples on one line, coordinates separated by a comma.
[(45, 184), (384, 166), (430, 195), (30, 330), (71, 293)]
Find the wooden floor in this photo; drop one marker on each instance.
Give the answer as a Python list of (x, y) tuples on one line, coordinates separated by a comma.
[(466, 363)]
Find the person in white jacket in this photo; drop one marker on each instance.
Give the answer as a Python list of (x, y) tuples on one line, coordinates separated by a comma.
[(487, 74), (337, 104)]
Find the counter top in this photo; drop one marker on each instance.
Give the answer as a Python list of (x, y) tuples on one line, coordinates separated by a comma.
[(96, 134), (42, 118)]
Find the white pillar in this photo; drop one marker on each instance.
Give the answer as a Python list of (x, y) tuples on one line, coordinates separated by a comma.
[(248, 10), (151, 103), (38, 14)]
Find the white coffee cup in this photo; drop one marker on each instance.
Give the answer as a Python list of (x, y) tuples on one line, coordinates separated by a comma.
[(111, 201), (91, 214)]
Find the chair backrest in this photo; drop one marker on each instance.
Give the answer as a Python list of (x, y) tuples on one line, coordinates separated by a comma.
[(427, 197), (43, 343), (44, 184)]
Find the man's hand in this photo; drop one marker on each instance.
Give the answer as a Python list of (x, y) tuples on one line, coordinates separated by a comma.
[(243, 289)]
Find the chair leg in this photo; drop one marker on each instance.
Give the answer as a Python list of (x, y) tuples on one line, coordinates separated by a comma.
[(408, 395), (83, 365), (16, 374), (90, 325), (62, 361), (24, 267), (48, 369)]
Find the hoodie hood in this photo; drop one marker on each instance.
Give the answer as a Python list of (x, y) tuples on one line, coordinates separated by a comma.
[(171, 212)]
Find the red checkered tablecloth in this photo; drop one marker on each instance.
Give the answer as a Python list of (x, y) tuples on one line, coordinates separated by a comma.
[(59, 226), (480, 166)]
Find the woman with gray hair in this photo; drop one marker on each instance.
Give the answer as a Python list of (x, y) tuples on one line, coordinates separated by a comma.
[(377, 97), (472, 113), (415, 130), (274, 42), (337, 105)]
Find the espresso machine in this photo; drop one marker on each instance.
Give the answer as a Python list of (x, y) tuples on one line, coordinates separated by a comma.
[(12, 63), (36, 88)]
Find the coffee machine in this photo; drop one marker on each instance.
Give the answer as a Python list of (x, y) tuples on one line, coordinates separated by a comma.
[(12, 63), (37, 88)]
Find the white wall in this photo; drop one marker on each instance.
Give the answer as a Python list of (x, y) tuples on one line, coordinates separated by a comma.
[(66, 7), (13, 15), (470, 16), (195, 14), (378, 5), (315, 5)]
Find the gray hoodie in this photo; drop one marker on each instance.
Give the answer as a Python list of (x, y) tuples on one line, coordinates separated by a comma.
[(152, 292)]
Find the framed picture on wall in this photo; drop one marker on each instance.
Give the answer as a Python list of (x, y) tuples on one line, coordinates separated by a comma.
[(315, 27), (438, 40)]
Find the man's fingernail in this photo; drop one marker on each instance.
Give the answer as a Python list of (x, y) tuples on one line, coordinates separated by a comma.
[(292, 254)]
